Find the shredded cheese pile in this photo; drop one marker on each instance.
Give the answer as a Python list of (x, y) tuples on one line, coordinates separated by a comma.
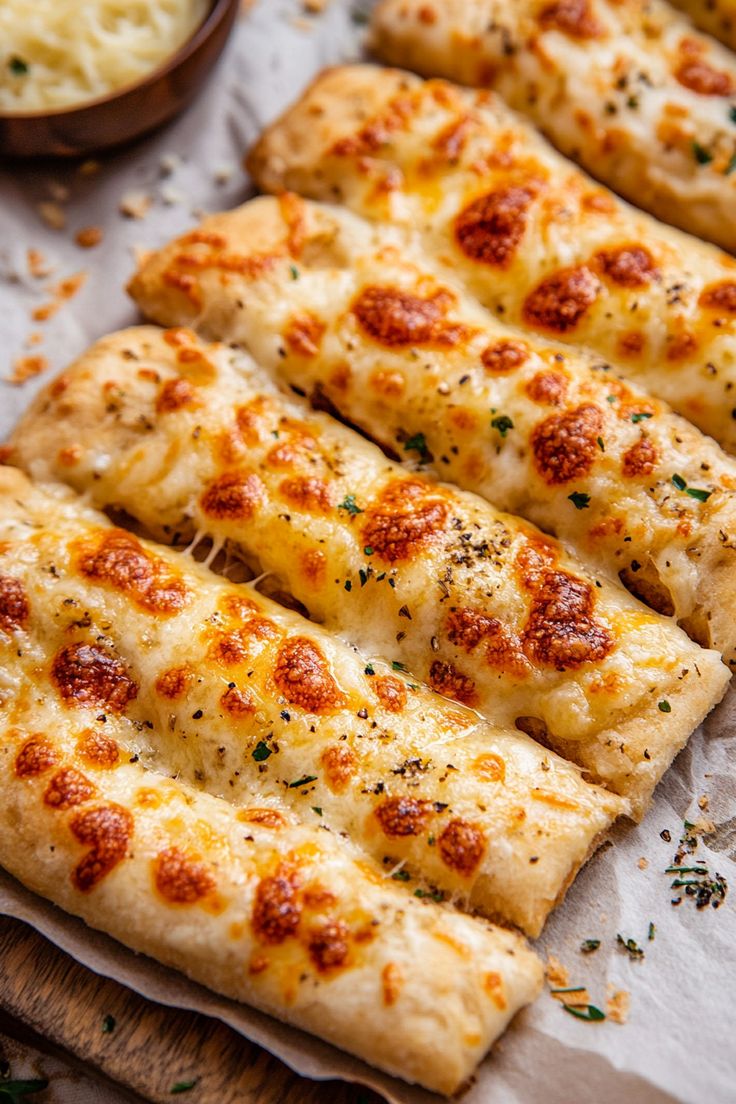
[(54, 54)]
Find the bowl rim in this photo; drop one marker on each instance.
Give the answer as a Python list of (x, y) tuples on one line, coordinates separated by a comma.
[(217, 11)]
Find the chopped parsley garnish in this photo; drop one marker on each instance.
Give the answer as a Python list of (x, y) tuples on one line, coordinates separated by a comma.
[(502, 423), (664, 706), (304, 781), (601, 445), (630, 946), (611, 398), (699, 493), (694, 492), (397, 666), (640, 416), (732, 113), (367, 551), (705, 888), (701, 154), (590, 945), (12, 1091), (418, 443), (433, 895), (183, 1086), (401, 876), (584, 1011), (108, 1025), (294, 272), (18, 67), (369, 669), (348, 504), (261, 751), (580, 500), (317, 809), (652, 931)]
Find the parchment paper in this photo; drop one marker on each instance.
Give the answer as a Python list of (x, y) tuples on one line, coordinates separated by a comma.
[(678, 1043)]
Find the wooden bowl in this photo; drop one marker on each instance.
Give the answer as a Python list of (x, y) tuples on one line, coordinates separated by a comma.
[(128, 112)]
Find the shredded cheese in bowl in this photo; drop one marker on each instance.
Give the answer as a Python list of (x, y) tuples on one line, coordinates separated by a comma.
[(61, 53)]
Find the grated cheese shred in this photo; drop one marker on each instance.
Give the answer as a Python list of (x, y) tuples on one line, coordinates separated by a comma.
[(55, 55)]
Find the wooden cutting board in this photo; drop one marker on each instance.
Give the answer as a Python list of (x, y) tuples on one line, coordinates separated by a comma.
[(151, 1048)]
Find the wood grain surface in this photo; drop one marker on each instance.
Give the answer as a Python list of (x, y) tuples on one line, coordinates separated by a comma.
[(151, 1048)]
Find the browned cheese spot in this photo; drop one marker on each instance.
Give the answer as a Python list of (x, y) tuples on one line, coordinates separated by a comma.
[(504, 356), (641, 459), (14, 609), (462, 846), (118, 559), (176, 394), (573, 18), (98, 750), (565, 445), (172, 684), (37, 756), (680, 346), (446, 679), (328, 946), (235, 496), (238, 703), (466, 628), (88, 676), (490, 228), (180, 879), (276, 912), (267, 818), (303, 677), (547, 388), (720, 296), (406, 517), (377, 131), (399, 319), (307, 493), (229, 648), (304, 334), (630, 266), (106, 831), (561, 631), (490, 767), (701, 77), (313, 563), (68, 787), (390, 691), (560, 301), (392, 980), (403, 816), (338, 763)]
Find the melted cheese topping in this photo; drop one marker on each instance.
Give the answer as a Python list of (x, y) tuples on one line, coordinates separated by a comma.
[(626, 87), (254, 704), (479, 604), (520, 226), (658, 503), (55, 55)]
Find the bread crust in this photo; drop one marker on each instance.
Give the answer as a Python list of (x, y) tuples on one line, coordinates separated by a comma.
[(505, 213), (627, 89)]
